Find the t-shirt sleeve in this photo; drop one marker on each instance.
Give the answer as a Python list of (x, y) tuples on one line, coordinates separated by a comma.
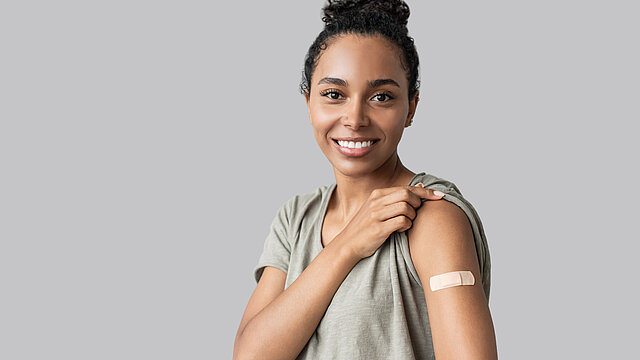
[(277, 248)]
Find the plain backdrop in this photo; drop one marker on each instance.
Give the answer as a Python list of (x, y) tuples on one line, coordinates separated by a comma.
[(145, 147)]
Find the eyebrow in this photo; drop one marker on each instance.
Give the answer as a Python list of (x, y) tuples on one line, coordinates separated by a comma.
[(332, 81), (370, 84), (380, 82)]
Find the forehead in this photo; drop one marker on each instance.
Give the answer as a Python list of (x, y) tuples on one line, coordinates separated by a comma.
[(358, 59)]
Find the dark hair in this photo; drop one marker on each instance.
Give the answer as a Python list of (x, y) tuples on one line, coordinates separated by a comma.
[(367, 17)]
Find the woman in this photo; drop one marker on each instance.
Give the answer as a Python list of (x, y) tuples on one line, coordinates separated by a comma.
[(345, 272)]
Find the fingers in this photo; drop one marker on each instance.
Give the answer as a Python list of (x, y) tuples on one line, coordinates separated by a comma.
[(429, 194), (401, 194), (410, 194), (398, 223), (400, 208)]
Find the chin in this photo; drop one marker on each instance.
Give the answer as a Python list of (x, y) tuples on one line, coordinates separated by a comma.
[(355, 168)]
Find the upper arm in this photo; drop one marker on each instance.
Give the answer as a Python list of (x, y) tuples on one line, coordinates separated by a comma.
[(270, 271), (271, 285), (440, 241)]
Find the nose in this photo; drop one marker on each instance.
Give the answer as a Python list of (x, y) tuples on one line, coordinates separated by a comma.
[(355, 115)]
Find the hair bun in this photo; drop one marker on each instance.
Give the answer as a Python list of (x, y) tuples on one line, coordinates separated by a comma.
[(396, 9)]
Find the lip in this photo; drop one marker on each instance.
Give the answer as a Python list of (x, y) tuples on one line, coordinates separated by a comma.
[(355, 139), (355, 153)]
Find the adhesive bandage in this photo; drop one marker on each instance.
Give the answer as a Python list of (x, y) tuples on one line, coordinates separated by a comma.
[(450, 279)]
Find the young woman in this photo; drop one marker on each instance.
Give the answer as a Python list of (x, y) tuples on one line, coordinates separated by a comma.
[(346, 269)]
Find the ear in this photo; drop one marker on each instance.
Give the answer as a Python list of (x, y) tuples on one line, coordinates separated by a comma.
[(413, 104)]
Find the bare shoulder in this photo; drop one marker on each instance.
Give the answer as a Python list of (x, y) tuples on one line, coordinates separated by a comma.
[(441, 240), (433, 211)]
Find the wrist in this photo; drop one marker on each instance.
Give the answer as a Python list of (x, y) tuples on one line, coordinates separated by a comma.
[(344, 249)]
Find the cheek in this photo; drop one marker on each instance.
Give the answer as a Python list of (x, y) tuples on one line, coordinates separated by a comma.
[(321, 126), (322, 119), (394, 134), (394, 124), (392, 119)]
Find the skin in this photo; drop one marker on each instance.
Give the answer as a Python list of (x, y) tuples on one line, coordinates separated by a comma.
[(370, 201)]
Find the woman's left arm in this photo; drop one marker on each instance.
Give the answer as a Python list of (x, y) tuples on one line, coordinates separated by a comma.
[(440, 241)]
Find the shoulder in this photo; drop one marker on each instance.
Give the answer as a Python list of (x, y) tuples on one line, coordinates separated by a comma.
[(441, 221), (446, 219), (440, 227), (301, 205), (441, 240), (305, 198), (303, 201)]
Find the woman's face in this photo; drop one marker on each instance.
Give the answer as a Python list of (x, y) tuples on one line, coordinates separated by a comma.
[(359, 91)]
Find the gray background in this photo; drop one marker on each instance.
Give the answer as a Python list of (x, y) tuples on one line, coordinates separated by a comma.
[(145, 147)]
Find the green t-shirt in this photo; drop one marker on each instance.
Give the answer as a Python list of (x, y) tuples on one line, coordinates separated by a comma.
[(379, 311)]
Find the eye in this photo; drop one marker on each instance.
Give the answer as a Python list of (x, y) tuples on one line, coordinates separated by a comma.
[(331, 94), (382, 97)]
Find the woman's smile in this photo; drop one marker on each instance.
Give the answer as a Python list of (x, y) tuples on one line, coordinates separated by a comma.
[(355, 148)]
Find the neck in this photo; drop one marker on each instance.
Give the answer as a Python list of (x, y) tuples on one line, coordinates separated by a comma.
[(353, 190)]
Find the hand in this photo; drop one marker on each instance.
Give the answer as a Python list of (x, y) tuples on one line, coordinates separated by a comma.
[(385, 211)]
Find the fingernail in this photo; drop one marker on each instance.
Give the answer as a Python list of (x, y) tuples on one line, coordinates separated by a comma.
[(438, 193), (420, 184)]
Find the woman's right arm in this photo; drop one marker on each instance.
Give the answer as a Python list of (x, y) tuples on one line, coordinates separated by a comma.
[(278, 323), (284, 326)]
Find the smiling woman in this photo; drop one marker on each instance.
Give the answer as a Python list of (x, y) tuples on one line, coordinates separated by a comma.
[(345, 269)]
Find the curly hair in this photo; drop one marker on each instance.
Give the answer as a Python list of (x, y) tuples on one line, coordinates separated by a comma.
[(387, 18)]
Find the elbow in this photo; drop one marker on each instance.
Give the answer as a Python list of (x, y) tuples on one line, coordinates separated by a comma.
[(244, 354), (242, 350), (239, 355), (238, 351)]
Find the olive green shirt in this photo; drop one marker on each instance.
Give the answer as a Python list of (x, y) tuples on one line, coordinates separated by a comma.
[(379, 311)]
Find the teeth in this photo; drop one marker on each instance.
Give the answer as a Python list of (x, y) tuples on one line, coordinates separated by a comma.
[(355, 145)]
